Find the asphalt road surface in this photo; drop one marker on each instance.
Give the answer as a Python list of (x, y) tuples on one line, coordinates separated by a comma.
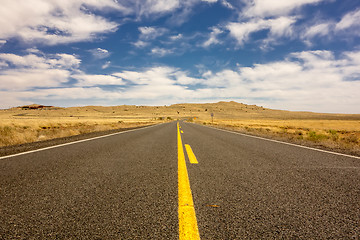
[(125, 186)]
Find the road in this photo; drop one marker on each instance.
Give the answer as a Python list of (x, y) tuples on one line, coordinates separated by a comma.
[(125, 186)]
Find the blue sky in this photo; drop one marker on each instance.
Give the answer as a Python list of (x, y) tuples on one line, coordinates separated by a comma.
[(301, 55)]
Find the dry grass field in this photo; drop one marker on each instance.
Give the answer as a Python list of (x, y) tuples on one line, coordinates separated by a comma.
[(340, 132), (339, 135), (19, 126)]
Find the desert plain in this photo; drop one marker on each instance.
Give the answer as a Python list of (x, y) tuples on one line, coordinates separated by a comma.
[(34, 123)]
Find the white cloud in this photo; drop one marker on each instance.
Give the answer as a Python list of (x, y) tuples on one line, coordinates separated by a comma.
[(149, 7), (176, 37), (140, 44), (152, 76), (209, 1), (106, 65), (70, 93), (179, 10), (309, 80), (37, 62), (225, 3), (31, 71), (278, 27), (348, 26), (351, 19), (32, 78), (53, 22), (268, 8), (99, 53), (149, 33), (3, 64), (183, 79), (157, 83), (2, 42), (213, 37), (321, 29), (160, 52), (86, 80), (158, 76)]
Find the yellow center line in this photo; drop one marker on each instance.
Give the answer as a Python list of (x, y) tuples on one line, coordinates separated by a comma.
[(188, 228), (191, 154)]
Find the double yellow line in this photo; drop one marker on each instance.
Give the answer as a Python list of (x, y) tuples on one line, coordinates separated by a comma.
[(188, 228)]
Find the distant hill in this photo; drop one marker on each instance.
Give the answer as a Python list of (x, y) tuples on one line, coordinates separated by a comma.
[(35, 106), (220, 110)]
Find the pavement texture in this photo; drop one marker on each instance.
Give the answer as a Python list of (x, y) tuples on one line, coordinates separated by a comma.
[(119, 187), (125, 187)]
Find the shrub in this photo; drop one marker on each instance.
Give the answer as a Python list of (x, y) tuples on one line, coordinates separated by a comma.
[(6, 131), (333, 134), (300, 133), (313, 136), (351, 139)]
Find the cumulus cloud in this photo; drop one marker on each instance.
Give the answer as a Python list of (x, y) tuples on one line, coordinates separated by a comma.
[(150, 33), (278, 27), (179, 9), (213, 37), (160, 52), (31, 78), (270, 8), (210, 1), (310, 80), (321, 29), (38, 62), (351, 19), (30, 71), (160, 76), (347, 26), (150, 7), (94, 80), (2, 42), (106, 65), (276, 18), (53, 22), (99, 53), (147, 35), (176, 37), (140, 44)]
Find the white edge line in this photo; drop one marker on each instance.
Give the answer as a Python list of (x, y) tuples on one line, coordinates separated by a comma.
[(291, 144), (78, 141)]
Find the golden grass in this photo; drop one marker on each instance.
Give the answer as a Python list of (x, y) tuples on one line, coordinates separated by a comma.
[(335, 131), (341, 135), (24, 130)]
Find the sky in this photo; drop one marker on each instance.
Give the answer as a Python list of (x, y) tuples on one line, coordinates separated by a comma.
[(299, 55)]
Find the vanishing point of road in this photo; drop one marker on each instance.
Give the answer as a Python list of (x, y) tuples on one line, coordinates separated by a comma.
[(179, 181)]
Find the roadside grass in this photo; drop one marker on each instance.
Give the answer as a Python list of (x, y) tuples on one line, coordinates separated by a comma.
[(19, 131), (337, 135), (331, 130)]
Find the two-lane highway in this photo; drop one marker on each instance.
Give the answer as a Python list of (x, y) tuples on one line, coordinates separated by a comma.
[(125, 186)]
